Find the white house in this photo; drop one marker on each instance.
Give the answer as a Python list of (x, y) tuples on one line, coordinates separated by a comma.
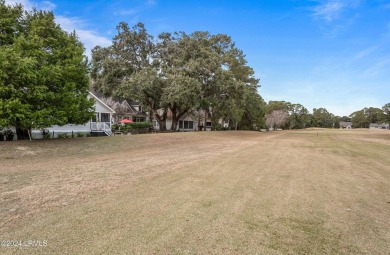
[(189, 122), (124, 108), (379, 126), (100, 124), (345, 125)]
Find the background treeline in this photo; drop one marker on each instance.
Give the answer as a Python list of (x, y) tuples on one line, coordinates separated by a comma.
[(285, 115)]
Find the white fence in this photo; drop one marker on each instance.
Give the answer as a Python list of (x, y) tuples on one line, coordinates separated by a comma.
[(101, 126)]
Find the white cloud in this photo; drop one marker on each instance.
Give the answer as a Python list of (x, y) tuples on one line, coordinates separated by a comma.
[(151, 2), (47, 5), (366, 52), (329, 10), (90, 38), (379, 67), (335, 16), (28, 5), (127, 12)]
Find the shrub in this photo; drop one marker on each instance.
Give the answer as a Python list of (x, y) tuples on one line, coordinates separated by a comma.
[(138, 125), (46, 135), (81, 134), (114, 127), (63, 135), (217, 127)]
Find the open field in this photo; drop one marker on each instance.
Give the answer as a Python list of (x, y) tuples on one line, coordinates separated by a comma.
[(289, 192)]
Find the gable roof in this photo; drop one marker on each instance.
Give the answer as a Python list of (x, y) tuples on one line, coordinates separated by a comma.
[(119, 102), (101, 102)]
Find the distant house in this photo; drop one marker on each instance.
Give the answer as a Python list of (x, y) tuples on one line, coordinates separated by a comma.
[(345, 125), (124, 109), (378, 126), (139, 114), (189, 121), (100, 124)]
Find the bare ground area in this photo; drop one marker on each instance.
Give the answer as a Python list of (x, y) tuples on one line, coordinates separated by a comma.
[(289, 192)]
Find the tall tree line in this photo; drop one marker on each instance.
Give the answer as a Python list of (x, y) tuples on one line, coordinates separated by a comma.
[(282, 114)]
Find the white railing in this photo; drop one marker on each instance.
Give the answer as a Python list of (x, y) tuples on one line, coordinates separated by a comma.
[(101, 126)]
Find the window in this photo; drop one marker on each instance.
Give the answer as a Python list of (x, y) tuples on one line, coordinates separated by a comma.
[(208, 123), (139, 119), (155, 123), (184, 124), (105, 117)]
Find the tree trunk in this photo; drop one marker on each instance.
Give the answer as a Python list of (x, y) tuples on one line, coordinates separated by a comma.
[(174, 118), (174, 122), (163, 125), (161, 119), (21, 133), (176, 115), (205, 120), (200, 126)]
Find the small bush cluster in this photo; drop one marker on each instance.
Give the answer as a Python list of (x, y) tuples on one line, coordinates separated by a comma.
[(81, 134), (64, 135), (138, 125), (134, 127), (46, 135)]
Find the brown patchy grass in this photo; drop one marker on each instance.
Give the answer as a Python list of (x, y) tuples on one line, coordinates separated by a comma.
[(290, 192)]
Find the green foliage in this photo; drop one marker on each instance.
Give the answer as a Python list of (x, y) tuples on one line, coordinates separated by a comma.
[(322, 118), (298, 116), (336, 123), (47, 135), (345, 118), (359, 119), (138, 125), (363, 118), (81, 134), (8, 132), (277, 106), (216, 126), (43, 73), (254, 107), (177, 72), (64, 135)]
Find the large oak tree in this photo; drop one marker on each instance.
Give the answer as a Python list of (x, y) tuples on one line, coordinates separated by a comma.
[(176, 72)]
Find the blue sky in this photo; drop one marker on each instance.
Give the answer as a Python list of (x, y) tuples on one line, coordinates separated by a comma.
[(319, 53)]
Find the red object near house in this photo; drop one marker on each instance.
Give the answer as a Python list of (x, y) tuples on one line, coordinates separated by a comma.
[(125, 121)]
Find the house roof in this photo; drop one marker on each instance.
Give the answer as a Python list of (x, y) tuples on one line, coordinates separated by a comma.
[(345, 123), (101, 102), (121, 101)]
